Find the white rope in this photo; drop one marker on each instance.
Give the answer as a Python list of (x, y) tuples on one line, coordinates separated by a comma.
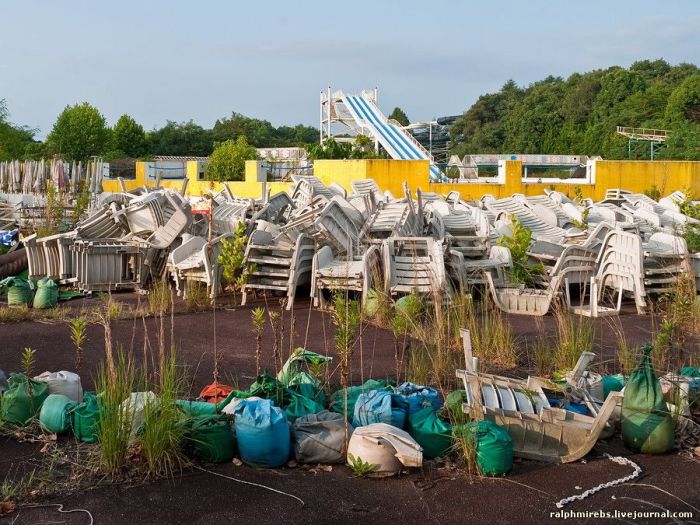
[(251, 483), (59, 508), (620, 461)]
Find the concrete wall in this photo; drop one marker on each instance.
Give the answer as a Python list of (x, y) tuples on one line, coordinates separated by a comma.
[(636, 176)]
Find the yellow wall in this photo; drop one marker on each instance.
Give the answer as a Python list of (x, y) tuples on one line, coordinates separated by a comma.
[(636, 176)]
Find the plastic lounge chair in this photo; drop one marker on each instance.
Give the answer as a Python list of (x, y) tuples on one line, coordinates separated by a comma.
[(539, 431)]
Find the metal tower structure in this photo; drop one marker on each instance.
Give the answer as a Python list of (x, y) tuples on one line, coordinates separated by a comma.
[(655, 137)]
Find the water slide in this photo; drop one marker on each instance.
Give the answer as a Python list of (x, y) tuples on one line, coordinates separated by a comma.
[(396, 141)]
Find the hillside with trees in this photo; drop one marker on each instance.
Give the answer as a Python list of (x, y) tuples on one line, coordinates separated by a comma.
[(579, 115)]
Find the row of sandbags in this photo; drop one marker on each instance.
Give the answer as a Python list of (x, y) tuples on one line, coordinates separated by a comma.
[(28, 292)]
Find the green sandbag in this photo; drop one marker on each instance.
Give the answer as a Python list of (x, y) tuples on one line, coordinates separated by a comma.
[(613, 384), (86, 418), (46, 293), (267, 387), (453, 403), (301, 406), (371, 306), (197, 408), (493, 446), (337, 398), (298, 366), (212, 438), (646, 423), (23, 399), (431, 432), (55, 414), (19, 291)]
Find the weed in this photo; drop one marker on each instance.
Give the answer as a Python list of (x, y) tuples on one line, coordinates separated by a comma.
[(492, 337), (113, 308), (231, 259), (575, 334), (114, 423), (653, 192), (346, 318), (196, 296), (521, 270), (258, 317), (82, 202), (360, 468), (159, 298), (78, 335), (15, 314), (164, 426), (28, 361)]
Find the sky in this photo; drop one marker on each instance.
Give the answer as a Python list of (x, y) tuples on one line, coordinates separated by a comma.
[(178, 60)]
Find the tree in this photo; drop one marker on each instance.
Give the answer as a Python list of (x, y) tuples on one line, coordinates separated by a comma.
[(227, 162), (128, 136), (399, 116), (684, 102), (184, 139), (262, 134), (80, 132), (14, 140)]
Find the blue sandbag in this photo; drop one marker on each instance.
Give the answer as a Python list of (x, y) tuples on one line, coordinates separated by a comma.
[(378, 407), (263, 433), (418, 397)]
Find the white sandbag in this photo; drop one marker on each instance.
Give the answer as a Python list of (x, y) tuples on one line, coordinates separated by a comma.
[(386, 447), (64, 383), (135, 404), (320, 438)]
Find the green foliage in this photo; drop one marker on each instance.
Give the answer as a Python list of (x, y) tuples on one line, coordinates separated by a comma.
[(14, 140), (54, 212), (79, 133), (129, 137), (227, 162), (360, 468), (580, 114), (653, 193), (164, 425), (361, 148), (185, 138), (521, 271), (258, 317), (399, 116), (78, 335), (231, 259), (114, 424), (82, 202), (28, 361), (261, 134)]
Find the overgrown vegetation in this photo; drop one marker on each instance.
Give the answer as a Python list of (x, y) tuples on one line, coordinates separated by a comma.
[(580, 114), (521, 271), (575, 334), (231, 258)]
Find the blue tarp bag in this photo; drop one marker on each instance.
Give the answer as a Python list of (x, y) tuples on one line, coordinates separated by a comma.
[(378, 407), (418, 397), (263, 434)]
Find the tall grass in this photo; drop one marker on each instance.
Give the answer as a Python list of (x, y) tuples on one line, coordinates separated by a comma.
[(164, 424), (575, 334), (114, 424), (159, 297), (492, 338)]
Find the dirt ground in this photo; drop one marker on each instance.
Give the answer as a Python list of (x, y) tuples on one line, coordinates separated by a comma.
[(434, 494)]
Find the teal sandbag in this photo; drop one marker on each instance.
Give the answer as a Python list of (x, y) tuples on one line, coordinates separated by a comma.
[(212, 438), (263, 433), (197, 408), (493, 446), (378, 407), (55, 413), (431, 432), (646, 424), (301, 406), (86, 419), (23, 399), (613, 384), (337, 398), (46, 295)]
